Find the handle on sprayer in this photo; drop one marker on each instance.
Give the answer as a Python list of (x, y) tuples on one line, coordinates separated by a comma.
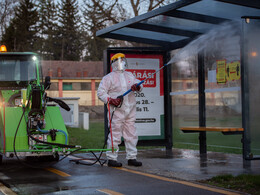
[(127, 92)]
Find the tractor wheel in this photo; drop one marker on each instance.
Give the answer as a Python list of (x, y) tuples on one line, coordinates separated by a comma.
[(56, 157), (32, 158), (50, 158)]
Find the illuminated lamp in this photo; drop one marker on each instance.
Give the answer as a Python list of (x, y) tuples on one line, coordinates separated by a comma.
[(3, 48), (253, 54)]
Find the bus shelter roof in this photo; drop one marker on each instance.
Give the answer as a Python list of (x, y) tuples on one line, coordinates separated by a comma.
[(175, 25)]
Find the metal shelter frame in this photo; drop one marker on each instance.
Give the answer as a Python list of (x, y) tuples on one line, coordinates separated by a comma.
[(177, 24), (174, 35)]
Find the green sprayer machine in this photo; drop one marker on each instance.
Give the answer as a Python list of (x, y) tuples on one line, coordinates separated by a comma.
[(29, 125)]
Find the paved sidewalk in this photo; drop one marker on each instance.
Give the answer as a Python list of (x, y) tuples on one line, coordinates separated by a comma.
[(188, 165)]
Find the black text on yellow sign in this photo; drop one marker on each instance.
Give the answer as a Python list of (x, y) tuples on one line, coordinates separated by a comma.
[(233, 71), (221, 71)]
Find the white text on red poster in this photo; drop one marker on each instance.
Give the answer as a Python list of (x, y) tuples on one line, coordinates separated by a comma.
[(142, 74)]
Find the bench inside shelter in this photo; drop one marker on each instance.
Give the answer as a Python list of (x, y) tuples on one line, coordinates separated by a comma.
[(224, 130)]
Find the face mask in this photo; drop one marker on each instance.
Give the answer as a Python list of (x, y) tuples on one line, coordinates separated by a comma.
[(120, 64)]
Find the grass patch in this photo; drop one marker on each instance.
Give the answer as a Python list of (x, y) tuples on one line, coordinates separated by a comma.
[(216, 141), (243, 183), (193, 146), (92, 138)]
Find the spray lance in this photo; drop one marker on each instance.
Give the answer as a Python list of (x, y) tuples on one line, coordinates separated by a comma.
[(141, 82)]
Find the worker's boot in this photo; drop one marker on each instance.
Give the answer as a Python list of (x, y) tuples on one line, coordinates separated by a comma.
[(134, 162), (114, 163)]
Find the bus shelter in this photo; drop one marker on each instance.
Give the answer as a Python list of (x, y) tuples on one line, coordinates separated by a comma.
[(213, 59)]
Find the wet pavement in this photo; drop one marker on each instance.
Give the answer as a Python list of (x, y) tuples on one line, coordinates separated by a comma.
[(176, 172), (189, 165)]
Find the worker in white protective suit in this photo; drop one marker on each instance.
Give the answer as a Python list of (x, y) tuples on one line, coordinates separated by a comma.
[(113, 85)]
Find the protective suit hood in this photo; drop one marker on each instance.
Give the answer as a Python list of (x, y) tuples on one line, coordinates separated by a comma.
[(119, 62)]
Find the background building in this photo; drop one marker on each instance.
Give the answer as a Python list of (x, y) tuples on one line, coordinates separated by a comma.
[(74, 79)]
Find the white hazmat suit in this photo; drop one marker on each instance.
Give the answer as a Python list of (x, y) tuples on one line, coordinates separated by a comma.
[(123, 123)]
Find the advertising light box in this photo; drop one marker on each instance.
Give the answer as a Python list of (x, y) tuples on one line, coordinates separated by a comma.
[(150, 101), (153, 108)]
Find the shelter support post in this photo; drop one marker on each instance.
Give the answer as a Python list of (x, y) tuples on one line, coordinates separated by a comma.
[(245, 102), (202, 103), (168, 107)]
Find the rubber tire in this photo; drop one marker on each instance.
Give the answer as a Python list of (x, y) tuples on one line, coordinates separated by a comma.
[(50, 158), (56, 157)]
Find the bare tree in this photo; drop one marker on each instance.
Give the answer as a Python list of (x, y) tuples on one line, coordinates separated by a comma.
[(6, 13), (99, 14), (147, 5)]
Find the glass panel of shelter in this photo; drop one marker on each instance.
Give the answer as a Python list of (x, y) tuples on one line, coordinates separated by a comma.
[(148, 34), (179, 23), (184, 95), (252, 62)]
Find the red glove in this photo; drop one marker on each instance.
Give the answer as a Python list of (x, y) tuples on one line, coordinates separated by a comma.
[(116, 102), (135, 87)]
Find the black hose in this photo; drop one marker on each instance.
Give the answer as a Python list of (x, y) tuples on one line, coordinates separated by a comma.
[(49, 143), (98, 159), (16, 135), (26, 164)]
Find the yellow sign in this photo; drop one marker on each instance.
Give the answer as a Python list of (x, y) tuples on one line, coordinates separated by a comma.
[(221, 71), (233, 71)]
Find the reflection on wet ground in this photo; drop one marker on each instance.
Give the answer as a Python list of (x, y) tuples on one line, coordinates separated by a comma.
[(190, 165)]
